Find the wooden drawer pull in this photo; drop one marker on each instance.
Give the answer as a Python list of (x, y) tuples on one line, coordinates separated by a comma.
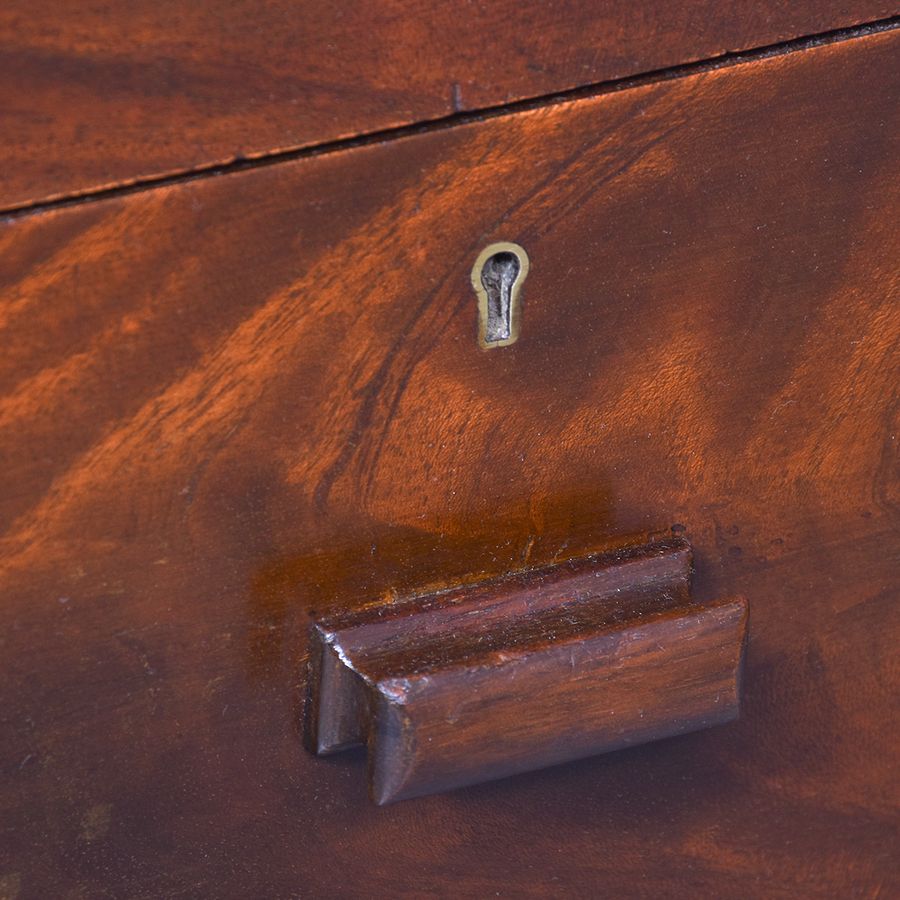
[(537, 668)]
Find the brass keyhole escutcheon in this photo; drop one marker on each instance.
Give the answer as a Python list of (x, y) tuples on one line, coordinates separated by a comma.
[(497, 277)]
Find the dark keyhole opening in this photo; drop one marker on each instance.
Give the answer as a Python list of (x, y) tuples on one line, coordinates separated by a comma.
[(498, 275)]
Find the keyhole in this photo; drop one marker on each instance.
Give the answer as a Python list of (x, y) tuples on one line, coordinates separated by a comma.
[(497, 278)]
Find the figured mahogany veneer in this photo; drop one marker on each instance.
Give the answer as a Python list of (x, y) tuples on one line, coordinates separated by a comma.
[(229, 405), (517, 673), (94, 94)]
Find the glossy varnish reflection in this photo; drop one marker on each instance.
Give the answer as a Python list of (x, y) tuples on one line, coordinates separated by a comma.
[(230, 403)]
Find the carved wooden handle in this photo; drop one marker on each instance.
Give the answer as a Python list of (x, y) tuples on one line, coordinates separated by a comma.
[(537, 668)]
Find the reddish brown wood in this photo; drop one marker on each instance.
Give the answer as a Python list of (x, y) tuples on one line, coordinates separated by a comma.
[(525, 671), (230, 404), (97, 93)]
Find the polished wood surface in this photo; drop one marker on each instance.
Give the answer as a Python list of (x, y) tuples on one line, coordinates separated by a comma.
[(229, 404), (544, 666), (96, 93)]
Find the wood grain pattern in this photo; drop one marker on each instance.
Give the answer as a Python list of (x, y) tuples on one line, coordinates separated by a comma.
[(229, 404), (97, 93), (528, 670)]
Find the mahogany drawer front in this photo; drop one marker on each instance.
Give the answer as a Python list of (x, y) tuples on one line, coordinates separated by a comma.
[(232, 402), (94, 94)]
